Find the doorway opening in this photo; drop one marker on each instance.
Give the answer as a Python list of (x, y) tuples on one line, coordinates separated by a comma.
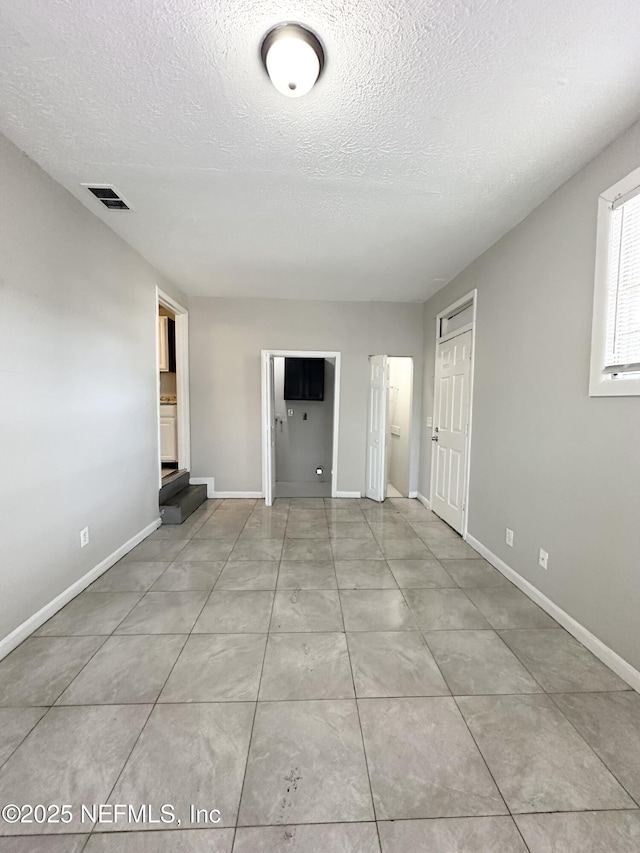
[(300, 403), (168, 391), (389, 427), (400, 395), (452, 417), (173, 388)]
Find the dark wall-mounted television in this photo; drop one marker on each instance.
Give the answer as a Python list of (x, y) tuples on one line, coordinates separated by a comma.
[(304, 379)]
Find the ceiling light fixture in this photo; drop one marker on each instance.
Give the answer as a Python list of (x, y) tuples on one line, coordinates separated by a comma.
[(293, 58)]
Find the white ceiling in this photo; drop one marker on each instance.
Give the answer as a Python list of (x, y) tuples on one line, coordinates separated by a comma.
[(436, 126)]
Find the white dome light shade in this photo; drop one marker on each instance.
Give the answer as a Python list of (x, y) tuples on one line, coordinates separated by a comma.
[(293, 57), (293, 66)]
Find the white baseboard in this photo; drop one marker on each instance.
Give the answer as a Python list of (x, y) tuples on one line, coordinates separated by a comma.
[(612, 659), (34, 622), (348, 494), (424, 501), (209, 482), (238, 494), (205, 481), (413, 494)]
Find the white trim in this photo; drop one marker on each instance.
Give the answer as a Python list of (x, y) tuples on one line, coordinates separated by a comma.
[(204, 481), (465, 529), (470, 298), (603, 384), (414, 435), (159, 437), (376, 465), (612, 659), (625, 197), (456, 307), (182, 380), (424, 501), (8, 643), (348, 494), (414, 444), (266, 426), (468, 327), (182, 391), (336, 425), (622, 188), (266, 445), (238, 495)]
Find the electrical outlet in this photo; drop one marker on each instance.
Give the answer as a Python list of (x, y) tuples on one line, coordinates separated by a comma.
[(84, 537), (543, 559), (509, 537)]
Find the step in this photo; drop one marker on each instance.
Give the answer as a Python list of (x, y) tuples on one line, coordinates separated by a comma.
[(172, 485), (180, 506)]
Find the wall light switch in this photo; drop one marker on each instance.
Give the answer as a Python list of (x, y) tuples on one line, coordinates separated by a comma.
[(543, 559), (509, 537), (429, 422), (84, 537), (290, 413)]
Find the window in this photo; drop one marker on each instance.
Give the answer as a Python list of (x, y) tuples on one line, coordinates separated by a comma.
[(615, 348)]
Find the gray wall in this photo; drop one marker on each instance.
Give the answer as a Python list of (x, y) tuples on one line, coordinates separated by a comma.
[(78, 380), (558, 467), (227, 336), (301, 444)]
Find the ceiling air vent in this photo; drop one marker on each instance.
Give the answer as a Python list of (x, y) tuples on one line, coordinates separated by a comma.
[(108, 196)]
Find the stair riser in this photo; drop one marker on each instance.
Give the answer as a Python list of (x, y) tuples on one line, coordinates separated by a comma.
[(175, 486), (183, 504)]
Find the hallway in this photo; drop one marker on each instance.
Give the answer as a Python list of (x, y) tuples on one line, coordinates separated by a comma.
[(332, 676)]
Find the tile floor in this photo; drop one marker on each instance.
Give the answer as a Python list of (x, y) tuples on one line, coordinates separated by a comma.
[(333, 676)]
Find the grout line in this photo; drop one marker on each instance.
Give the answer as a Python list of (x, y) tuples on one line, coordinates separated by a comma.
[(371, 523), (352, 630), (282, 826), (447, 695), (46, 709), (255, 711), (126, 761), (464, 720), (84, 846), (519, 831), (105, 640), (459, 711), (153, 706), (364, 749), (601, 760)]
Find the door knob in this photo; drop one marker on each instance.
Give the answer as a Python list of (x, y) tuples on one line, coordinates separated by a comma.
[(434, 438)]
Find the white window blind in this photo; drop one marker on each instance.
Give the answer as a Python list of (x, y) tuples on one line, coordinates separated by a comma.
[(622, 353)]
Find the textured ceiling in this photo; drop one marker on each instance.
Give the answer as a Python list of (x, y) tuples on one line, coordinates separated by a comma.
[(436, 126)]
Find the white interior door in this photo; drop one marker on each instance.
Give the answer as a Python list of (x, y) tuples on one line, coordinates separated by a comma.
[(270, 420), (376, 481), (451, 428)]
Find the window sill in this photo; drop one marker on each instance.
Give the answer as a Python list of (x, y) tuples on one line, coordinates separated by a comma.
[(607, 386)]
